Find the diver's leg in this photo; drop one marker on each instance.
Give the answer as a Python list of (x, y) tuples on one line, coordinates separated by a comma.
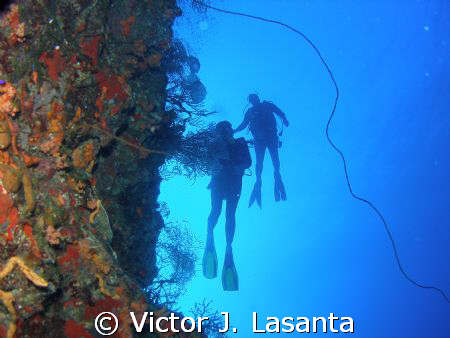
[(230, 281), (210, 255), (230, 215), (279, 190), (216, 209), (260, 149), (273, 150)]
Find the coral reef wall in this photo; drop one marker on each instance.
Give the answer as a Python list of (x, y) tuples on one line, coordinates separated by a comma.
[(82, 134)]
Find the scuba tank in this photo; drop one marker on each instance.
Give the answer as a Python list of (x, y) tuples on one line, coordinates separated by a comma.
[(280, 130)]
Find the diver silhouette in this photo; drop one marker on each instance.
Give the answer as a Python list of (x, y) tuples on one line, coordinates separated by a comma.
[(261, 121), (232, 157), (335, 147)]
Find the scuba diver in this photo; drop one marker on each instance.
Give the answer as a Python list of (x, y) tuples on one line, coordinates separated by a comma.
[(263, 126), (232, 157)]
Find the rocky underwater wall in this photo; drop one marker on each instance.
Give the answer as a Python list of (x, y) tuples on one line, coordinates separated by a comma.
[(82, 97)]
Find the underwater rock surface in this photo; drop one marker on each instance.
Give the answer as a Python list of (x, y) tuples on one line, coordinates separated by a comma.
[(82, 98)]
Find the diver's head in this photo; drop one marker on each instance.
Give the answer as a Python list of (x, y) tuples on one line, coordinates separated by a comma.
[(253, 99), (225, 130)]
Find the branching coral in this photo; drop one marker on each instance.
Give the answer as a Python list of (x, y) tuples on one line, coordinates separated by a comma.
[(176, 259), (185, 92), (7, 297), (215, 322), (192, 155), (27, 271)]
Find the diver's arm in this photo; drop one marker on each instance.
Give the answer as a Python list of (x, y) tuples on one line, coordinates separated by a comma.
[(244, 123), (279, 112)]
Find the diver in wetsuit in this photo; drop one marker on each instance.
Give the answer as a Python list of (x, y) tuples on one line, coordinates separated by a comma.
[(262, 123), (226, 184)]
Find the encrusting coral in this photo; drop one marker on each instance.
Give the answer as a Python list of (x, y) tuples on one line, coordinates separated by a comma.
[(8, 299), (5, 135), (83, 132), (11, 178), (16, 28), (7, 95)]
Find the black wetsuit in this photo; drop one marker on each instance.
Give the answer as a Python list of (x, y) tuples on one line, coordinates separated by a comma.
[(226, 185), (263, 126), (260, 119)]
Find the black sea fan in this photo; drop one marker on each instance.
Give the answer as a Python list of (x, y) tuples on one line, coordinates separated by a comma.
[(195, 154), (185, 91)]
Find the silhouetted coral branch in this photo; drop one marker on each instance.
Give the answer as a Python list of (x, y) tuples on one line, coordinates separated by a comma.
[(215, 322)]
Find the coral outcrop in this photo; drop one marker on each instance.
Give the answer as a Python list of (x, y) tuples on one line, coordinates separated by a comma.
[(83, 131)]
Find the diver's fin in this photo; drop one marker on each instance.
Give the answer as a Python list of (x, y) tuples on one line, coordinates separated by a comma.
[(230, 280), (276, 191), (256, 195), (210, 259), (282, 191), (279, 190)]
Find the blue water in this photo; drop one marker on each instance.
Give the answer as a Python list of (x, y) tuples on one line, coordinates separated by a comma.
[(322, 251)]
